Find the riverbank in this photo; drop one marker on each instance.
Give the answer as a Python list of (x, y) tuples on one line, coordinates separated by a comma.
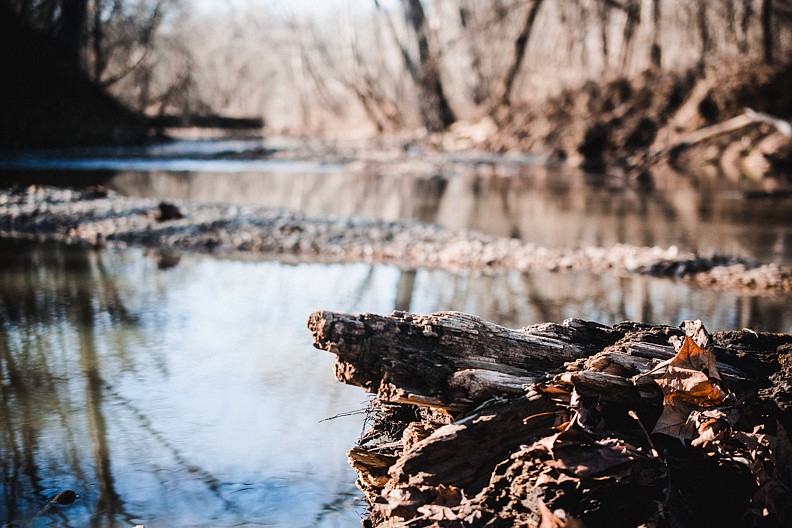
[(97, 217), (690, 121)]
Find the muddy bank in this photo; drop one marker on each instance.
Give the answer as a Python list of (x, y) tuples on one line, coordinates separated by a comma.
[(97, 217), (655, 122)]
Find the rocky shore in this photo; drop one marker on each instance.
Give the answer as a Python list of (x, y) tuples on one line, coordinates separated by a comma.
[(98, 218)]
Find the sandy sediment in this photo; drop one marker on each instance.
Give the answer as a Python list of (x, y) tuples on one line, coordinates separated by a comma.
[(100, 218)]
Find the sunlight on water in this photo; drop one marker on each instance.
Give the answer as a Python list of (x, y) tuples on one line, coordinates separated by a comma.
[(187, 392), (192, 395), (189, 396)]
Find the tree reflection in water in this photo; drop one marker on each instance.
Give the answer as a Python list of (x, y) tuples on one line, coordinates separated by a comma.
[(170, 396), (121, 382), (52, 299), (38, 290)]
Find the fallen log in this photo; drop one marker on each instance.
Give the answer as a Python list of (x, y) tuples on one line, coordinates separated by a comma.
[(448, 360), (577, 424)]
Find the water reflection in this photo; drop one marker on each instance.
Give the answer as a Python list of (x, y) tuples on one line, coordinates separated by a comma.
[(183, 390), (192, 396), (159, 409), (543, 205), (550, 206), (516, 300)]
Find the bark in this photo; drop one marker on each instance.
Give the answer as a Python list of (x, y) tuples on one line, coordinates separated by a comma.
[(449, 360), (561, 414)]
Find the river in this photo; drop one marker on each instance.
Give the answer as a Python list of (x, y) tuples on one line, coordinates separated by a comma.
[(187, 392)]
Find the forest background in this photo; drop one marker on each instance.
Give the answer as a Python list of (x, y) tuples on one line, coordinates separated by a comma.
[(586, 80)]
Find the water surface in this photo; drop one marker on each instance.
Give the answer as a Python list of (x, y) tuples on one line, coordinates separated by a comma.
[(504, 196), (185, 391)]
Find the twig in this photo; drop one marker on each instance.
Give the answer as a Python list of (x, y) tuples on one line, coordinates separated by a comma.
[(635, 417)]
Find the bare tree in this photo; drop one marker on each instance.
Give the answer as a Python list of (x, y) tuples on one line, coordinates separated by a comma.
[(633, 10), (481, 80), (656, 52), (704, 33), (520, 45), (435, 111)]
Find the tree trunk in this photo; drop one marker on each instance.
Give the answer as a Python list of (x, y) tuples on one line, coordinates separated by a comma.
[(703, 27), (97, 38), (71, 31), (484, 424), (435, 111), (656, 52), (603, 10), (745, 26), (448, 360), (768, 52), (633, 9), (520, 46)]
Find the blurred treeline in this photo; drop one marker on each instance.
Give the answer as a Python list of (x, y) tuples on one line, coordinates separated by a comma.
[(390, 65)]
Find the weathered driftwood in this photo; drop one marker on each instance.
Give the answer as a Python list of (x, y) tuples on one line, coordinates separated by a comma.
[(449, 360), (478, 425)]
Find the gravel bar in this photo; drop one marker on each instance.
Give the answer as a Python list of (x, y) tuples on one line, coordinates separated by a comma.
[(99, 218)]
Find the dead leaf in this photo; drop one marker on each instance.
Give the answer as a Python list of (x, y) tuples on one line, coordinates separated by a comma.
[(399, 501), (577, 454), (712, 425), (435, 512), (691, 382), (549, 519), (672, 421), (594, 461), (553, 476), (752, 441), (696, 331)]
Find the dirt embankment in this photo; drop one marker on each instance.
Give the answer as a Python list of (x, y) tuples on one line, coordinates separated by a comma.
[(662, 119)]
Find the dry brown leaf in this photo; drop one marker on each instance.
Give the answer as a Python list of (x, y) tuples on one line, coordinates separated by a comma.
[(549, 519), (552, 476), (690, 383), (593, 461), (712, 425), (696, 331), (576, 454), (399, 500), (752, 441), (672, 421), (435, 512)]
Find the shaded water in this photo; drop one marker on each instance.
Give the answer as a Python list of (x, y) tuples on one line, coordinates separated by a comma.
[(191, 396)]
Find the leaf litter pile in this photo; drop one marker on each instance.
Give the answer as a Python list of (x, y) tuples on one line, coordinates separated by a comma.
[(646, 425)]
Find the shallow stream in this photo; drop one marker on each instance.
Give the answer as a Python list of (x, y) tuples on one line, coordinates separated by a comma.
[(187, 393)]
